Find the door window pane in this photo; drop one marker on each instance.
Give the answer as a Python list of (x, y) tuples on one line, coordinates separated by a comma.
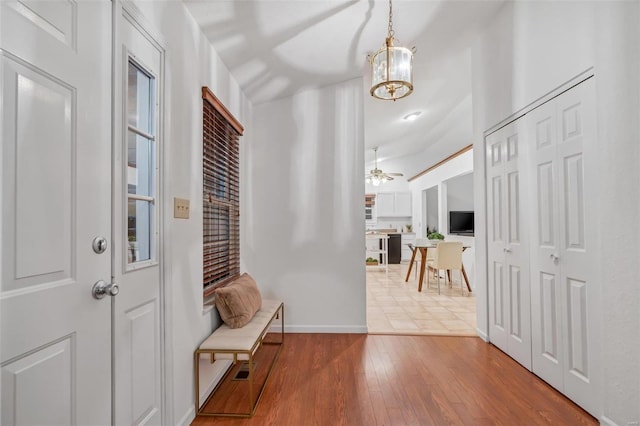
[(141, 162), (140, 99), (139, 222), (140, 156)]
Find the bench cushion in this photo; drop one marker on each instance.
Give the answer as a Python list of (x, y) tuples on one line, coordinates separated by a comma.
[(242, 339), (239, 301)]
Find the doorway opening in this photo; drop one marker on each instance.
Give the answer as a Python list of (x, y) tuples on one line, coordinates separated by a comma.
[(394, 303)]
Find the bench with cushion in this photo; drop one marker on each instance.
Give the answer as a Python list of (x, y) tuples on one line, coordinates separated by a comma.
[(247, 319)]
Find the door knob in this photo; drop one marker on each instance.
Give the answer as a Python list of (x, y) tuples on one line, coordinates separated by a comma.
[(507, 250), (554, 257), (102, 289)]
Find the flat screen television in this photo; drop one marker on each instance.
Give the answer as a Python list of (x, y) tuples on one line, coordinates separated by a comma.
[(461, 223)]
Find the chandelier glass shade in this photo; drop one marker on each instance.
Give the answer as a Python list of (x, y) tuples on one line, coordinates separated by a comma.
[(392, 72), (391, 68)]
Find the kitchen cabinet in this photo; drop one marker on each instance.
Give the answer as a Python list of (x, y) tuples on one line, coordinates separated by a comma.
[(394, 204)]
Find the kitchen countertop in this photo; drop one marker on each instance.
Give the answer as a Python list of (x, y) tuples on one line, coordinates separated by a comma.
[(387, 232)]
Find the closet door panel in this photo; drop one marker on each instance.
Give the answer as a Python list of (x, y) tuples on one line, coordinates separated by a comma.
[(495, 153), (546, 206), (516, 252), (574, 227), (515, 304), (546, 296), (578, 250), (546, 328), (565, 287), (509, 291), (577, 353), (498, 316)]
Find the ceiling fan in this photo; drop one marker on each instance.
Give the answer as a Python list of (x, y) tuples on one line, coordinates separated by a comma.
[(377, 176)]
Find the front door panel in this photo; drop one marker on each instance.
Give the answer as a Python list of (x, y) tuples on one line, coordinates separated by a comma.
[(56, 191)]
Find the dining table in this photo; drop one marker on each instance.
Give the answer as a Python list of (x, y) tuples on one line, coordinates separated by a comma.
[(422, 247)]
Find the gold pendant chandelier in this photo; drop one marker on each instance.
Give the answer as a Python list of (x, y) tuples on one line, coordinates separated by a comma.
[(391, 68)]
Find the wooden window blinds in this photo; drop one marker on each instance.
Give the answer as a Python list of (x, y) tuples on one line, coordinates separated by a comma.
[(221, 193)]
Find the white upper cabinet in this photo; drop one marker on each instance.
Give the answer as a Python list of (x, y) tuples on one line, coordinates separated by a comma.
[(394, 204), (403, 204), (386, 204)]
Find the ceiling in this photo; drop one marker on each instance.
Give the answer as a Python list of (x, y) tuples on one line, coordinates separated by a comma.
[(277, 48)]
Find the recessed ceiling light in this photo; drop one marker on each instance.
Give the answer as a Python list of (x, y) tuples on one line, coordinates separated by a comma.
[(412, 116)]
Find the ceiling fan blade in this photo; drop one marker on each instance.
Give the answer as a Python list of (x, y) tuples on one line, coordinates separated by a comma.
[(395, 174), (389, 177)]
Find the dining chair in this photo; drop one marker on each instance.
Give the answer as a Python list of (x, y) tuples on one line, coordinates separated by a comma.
[(447, 256)]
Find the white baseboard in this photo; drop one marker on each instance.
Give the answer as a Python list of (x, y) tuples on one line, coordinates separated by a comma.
[(484, 336), (210, 375), (350, 329), (188, 417)]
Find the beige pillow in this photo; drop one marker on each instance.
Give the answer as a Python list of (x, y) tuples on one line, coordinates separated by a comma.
[(239, 301)]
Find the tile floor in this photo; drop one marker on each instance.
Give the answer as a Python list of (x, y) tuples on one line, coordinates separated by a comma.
[(396, 307)]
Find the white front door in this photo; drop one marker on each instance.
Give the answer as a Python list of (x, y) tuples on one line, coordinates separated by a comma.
[(138, 331), (55, 100)]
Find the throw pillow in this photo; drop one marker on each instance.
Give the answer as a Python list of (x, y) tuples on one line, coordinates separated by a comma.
[(239, 301)]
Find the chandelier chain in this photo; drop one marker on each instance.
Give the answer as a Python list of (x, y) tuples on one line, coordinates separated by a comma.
[(390, 29)]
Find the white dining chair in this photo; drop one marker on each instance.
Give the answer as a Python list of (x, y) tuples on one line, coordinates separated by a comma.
[(447, 256)]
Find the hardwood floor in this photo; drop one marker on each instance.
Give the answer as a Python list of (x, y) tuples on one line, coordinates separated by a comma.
[(357, 379)]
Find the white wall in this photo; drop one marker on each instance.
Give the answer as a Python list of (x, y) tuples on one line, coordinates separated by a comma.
[(530, 49), (190, 64), (460, 165), (430, 211), (303, 209), (460, 193)]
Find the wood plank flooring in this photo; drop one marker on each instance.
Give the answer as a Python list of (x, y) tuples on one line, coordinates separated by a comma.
[(356, 379)]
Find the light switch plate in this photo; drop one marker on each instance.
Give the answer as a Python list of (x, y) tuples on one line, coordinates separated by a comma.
[(180, 208)]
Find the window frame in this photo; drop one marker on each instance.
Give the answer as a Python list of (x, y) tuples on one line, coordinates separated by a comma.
[(228, 124), (153, 138)]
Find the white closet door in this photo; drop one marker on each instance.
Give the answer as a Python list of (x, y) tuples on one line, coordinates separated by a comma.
[(564, 294), (546, 294), (577, 254), (509, 293), (498, 311), (516, 251)]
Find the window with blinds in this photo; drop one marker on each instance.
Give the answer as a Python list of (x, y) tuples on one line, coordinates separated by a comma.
[(221, 194)]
